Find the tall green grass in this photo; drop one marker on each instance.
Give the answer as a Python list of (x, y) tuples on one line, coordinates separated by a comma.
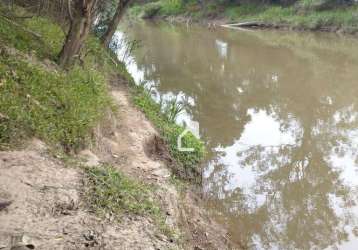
[(170, 131), (60, 108), (189, 162), (345, 19), (171, 7), (41, 100)]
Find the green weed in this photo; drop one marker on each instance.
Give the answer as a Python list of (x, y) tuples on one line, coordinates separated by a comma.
[(170, 131), (112, 193), (60, 108), (172, 109), (171, 7), (305, 14), (338, 18)]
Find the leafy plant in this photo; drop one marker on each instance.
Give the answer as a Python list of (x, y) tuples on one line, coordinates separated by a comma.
[(172, 109), (171, 7)]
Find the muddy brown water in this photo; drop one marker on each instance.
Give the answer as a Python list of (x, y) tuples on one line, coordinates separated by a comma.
[(278, 112)]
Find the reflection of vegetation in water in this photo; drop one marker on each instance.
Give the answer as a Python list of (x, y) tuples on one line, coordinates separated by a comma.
[(306, 79), (298, 185)]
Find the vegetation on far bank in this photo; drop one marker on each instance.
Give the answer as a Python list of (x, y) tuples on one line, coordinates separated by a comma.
[(303, 14)]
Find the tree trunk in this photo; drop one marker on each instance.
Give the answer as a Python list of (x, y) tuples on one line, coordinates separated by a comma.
[(112, 27), (80, 27)]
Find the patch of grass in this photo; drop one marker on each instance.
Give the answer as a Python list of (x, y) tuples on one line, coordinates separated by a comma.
[(112, 193), (171, 7), (306, 14), (148, 10), (36, 34), (60, 108), (169, 130), (161, 8), (236, 12), (17, 37), (338, 18), (51, 33), (135, 11)]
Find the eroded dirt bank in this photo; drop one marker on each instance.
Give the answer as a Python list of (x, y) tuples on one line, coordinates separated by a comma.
[(48, 211)]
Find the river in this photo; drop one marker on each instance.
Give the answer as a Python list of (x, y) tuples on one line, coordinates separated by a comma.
[(278, 112)]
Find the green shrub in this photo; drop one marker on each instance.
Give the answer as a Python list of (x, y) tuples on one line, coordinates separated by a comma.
[(234, 12), (171, 7), (135, 11), (339, 18)]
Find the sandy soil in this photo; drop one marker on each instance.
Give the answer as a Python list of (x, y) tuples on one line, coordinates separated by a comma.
[(47, 210)]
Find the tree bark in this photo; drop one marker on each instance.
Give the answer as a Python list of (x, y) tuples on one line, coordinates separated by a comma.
[(112, 27), (80, 26)]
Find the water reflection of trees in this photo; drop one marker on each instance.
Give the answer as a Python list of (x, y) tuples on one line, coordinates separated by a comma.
[(297, 184)]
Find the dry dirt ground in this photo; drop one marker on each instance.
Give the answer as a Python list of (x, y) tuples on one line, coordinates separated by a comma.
[(47, 209)]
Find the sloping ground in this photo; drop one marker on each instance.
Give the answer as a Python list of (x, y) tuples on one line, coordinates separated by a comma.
[(48, 209), (48, 199)]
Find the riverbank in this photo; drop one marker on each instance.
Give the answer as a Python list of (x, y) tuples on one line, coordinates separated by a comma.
[(301, 16), (82, 167)]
